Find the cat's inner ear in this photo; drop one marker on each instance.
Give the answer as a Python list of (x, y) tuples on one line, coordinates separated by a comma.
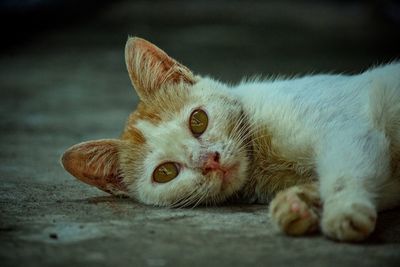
[(97, 163), (150, 68)]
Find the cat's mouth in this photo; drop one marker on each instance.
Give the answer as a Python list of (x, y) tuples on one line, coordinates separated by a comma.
[(226, 175), (229, 174)]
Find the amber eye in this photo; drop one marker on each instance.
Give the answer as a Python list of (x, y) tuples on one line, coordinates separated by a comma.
[(165, 172), (198, 122)]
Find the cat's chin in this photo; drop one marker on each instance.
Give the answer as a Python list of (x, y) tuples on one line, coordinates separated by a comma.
[(227, 176), (227, 181)]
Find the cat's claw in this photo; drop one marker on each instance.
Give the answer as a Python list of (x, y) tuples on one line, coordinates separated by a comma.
[(348, 222), (295, 211)]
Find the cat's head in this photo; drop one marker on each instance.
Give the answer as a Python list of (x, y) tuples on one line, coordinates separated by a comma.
[(185, 144)]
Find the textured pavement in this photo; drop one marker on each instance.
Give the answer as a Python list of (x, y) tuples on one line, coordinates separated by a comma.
[(67, 83)]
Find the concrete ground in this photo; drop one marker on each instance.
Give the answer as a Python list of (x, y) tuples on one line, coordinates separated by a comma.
[(66, 82)]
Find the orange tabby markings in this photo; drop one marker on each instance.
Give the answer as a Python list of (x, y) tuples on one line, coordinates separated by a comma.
[(150, 67)]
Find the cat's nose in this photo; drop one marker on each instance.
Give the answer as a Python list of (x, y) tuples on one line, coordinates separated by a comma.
[(211, 162)]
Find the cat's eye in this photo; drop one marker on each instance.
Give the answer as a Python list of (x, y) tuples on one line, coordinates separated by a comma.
[(198, 122), (165, 172)]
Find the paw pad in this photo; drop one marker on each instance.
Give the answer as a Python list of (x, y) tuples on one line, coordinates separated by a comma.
[(292, 214)]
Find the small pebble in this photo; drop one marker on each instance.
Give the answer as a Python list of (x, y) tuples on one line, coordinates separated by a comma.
[(53, 235)]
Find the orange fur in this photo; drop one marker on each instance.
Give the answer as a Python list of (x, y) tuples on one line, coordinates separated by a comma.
[(274, 170), (150, 68), (96, 163)]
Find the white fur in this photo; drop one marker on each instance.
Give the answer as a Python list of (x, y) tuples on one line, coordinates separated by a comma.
[(338, 116), (352, 125), (172, 141), (349, 124)]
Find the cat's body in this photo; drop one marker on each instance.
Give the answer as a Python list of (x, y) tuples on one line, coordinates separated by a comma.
[(330, 140), (302, 121)]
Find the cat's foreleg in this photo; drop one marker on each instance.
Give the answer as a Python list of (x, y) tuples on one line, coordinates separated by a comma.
[(352, 169), (296, 210)]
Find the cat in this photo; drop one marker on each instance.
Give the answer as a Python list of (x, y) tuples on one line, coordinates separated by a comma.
[(322, 150)]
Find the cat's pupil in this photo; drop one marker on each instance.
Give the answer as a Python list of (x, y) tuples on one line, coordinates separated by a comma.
[(165, 171), (196, 121)]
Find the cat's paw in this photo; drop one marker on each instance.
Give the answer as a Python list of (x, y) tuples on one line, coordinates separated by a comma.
[(348, 221), (296, 210)]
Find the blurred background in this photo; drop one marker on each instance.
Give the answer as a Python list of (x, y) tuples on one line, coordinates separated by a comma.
[(60, 56), (63, 80), (226, 38)]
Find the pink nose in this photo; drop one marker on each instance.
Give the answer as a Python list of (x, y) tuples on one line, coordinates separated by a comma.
[(211, 162)]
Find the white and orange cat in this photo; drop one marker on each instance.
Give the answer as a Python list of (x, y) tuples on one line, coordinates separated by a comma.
[(324, 150)]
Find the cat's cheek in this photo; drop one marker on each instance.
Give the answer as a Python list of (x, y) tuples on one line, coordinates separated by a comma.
[(240, 176)]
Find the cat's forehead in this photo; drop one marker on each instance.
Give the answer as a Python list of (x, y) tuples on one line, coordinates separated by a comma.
[(166, 104), (166, 101), (167, 140), (170, 106), (164, 122)]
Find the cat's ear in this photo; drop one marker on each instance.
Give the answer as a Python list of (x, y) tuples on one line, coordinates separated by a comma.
[(150, 67), (97, 163)]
